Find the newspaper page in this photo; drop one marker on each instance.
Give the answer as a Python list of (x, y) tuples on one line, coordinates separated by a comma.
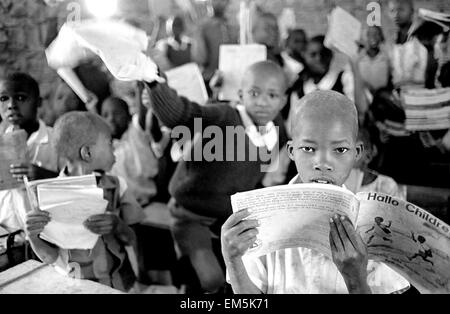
[(408, 239), (344, 30), (13, 150), (70, 202), (233, 62), (295, 215), (187, 80)]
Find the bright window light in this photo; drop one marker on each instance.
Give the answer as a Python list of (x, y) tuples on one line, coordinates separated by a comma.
[(102, 8)]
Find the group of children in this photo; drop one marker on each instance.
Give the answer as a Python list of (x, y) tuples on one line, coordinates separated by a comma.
[(325, 134)]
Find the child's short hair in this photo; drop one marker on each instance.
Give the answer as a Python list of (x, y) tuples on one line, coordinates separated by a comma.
[(76, 129), (25, 79)]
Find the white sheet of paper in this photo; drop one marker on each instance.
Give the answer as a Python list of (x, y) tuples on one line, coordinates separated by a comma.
[(233, 62), (295, 215), (70, 201), (187, 80), (343, 32)]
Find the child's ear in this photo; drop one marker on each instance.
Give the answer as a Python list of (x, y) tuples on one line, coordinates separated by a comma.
[(290, 149), (85, 153), (359, 150), (241, 95), (39, 102)]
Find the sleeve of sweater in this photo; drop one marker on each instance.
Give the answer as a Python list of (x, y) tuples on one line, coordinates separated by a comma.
[(174, 110)]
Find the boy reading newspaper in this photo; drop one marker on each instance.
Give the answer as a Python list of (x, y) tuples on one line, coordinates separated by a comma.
[(324, 148)]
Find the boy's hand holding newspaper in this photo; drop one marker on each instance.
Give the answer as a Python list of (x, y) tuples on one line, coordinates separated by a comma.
[(238, 235), (349, 254)]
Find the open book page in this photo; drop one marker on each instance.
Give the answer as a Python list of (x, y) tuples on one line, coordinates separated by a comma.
[(233, 62), (344, 30), (407, 238), (295, 215), (70, 201), (13, 150), (187, 80)]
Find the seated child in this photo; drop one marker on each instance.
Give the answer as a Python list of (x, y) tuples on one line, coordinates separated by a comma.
[(84, 144), (19, 102), (325, 149), (364, 179), (201, 188)]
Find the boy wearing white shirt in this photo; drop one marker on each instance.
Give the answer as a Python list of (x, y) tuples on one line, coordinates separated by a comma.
[(324, 148), (19, 102)]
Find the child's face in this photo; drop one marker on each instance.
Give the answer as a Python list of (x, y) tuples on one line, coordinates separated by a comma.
[(373, 37), (266, 32), (297, 43), (317, 62), (65, 100), (102, 153), (400, 12), (18, 105), (263, 96), (324, 150), (117, 118)]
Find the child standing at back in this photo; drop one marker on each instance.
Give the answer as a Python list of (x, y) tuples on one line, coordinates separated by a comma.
[(324, 147), (19, 103), (84, 143), (364, 179)]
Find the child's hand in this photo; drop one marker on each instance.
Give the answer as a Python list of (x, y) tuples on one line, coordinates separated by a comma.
[(349, 253), (102, 224), (238, 235), (35, 222), (18, 171)]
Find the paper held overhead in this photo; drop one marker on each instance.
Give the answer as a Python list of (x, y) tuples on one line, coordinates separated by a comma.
[(119, 45), (233, 62), (344, 32), (187, 80)]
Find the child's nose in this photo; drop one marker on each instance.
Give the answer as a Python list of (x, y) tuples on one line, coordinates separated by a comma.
[(322, 163)]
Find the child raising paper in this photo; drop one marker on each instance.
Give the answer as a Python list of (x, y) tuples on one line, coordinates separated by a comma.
[(84, 144), (324, 147)]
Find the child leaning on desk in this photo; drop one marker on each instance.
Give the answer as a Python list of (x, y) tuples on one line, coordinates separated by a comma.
[(84, 144), (324, 147)]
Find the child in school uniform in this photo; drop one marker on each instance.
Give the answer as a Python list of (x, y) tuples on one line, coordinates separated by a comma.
[(19, 102), (201, 189), (84, 144), (364, 179), (136, 162), (325, 149)]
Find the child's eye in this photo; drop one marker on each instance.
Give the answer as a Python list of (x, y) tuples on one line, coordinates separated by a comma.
[(341, 150), (274, 96), (21, 98), (4, 98), (307, 149)]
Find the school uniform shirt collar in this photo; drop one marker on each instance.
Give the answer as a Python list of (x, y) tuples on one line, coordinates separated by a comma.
[(326, 83), (269, 139), (185, 41)]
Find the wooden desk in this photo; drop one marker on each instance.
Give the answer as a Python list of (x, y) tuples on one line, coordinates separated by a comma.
[(33, 277)]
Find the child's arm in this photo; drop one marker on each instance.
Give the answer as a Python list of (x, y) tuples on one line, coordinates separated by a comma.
[(173, 110), (238, 236), (359, 90), (32, 171), (35, 224), (349, 255)]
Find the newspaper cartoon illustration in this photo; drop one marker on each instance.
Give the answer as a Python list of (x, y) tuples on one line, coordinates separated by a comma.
[(381, 230), (424, 250)]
